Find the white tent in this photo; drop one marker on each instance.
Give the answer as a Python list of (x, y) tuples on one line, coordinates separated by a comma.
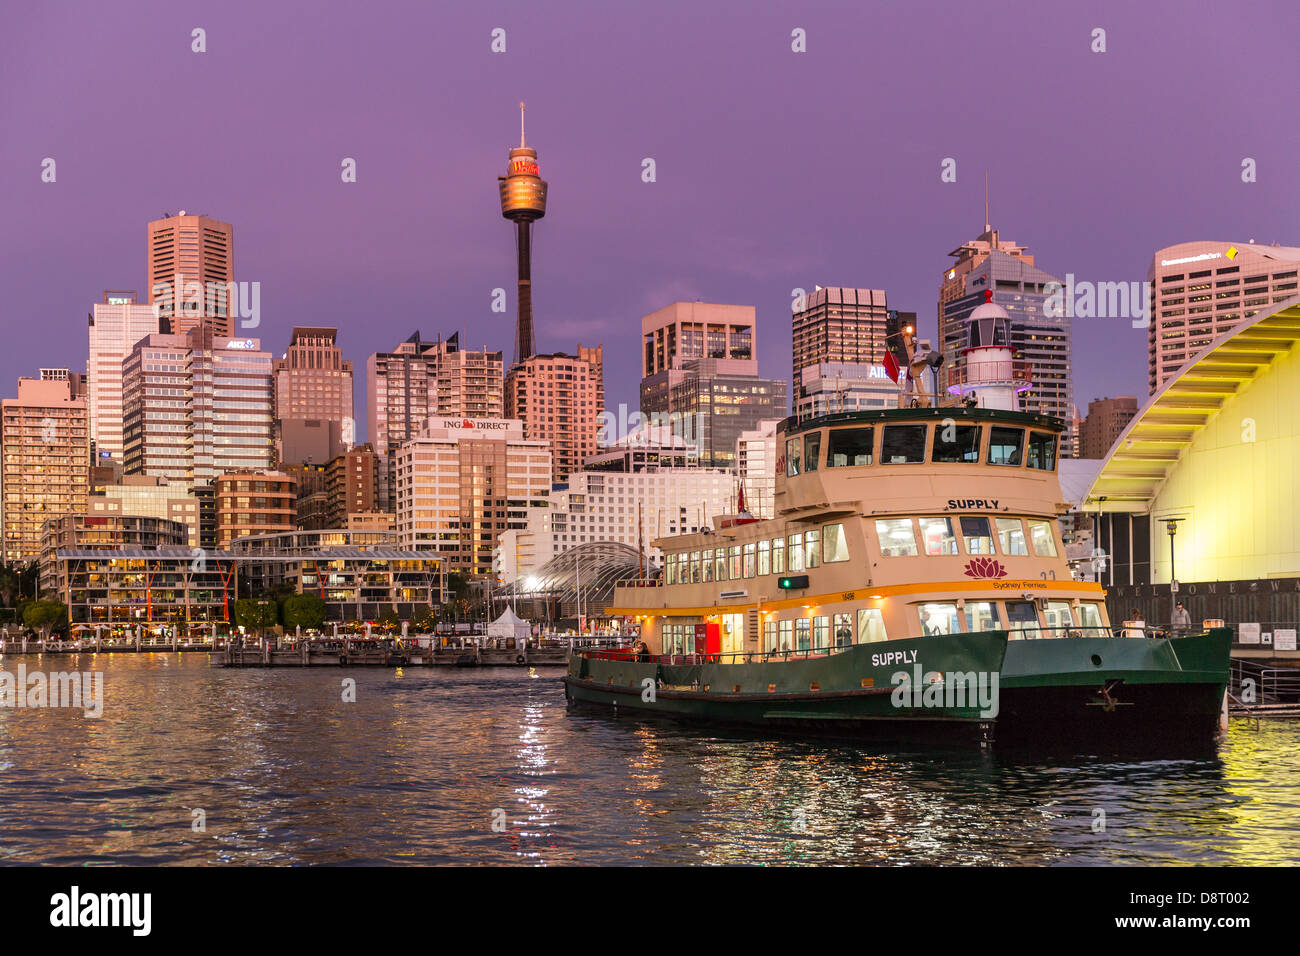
[(510, 625)]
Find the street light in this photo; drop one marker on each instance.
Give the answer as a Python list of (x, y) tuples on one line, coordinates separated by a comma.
[(1171, 525)]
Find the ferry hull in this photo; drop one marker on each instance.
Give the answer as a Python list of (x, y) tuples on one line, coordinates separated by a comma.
[(849, 693), (1115, 690)]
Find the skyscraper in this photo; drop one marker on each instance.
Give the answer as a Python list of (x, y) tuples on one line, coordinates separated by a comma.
[(712, 408), (559, 399), (685, 331), (1107, 418), (313, 383), (991, 263), (196, 406), (523, 202), (418, 379), (1203, 289), (115, 325), (45, 451), (191, 273), (835, 325)]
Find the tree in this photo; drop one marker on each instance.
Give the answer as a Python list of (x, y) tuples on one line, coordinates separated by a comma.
[(303, 610), (44, 616), (10, 583), (255, 613)]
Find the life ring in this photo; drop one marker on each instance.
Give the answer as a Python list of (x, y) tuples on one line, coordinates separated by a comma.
[(519, 658)]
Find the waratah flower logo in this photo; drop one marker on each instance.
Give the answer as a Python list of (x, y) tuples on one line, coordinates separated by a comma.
[(985, 568)]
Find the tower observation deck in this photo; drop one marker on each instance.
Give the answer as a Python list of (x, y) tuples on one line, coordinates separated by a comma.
[(523, 201)]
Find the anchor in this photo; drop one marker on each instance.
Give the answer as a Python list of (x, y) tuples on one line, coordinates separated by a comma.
[(1109, 703)]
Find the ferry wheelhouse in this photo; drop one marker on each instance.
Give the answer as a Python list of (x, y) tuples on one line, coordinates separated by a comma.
[(914, 580)]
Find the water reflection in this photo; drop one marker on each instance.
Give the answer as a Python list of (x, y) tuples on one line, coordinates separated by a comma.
[(286, 772)]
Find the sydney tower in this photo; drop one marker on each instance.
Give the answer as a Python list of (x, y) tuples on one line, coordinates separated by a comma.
[(523, 200)]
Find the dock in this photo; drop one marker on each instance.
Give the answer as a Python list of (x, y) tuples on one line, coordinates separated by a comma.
[(382, 653)]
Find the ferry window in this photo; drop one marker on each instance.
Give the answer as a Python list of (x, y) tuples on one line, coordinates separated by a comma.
[(835, 546), (733, 555), (897, 539), (796, 553), (802, 630), (848, 447), (821, 633), (792, 449), (695, 567), (812, 450), (981, 616), (778, 555), (812, 551), (939, 619), (1022, 619), (1042, 450), (937, 535), (1006, 446), (1011, 534), (764, 558), (903, 445), (720, 565), (749, 560), (976, 535), (871, 625), (1058, 618), (706, 564), (843, 630), (671, 569), (956, 443), (1090, 615), (787, 630), (1040, 532), (769, 636)]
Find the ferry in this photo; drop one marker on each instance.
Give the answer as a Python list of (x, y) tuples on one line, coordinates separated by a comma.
[(913, 583)]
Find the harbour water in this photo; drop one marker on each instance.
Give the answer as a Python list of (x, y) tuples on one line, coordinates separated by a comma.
[(487, 766)]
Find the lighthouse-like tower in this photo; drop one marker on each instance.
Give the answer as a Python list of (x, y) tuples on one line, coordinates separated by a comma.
[(523, 201), (991, 376)]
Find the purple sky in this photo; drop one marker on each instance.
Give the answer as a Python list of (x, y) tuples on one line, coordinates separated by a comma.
[(776, 170)]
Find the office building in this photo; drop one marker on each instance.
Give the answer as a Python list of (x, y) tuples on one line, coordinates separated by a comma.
[(196, 406), (1200, 290), (115, 326), (712, 407), (840, 326), (990, 263), (313, 398), (419, 379), (837, 387), (461, 482), (44, 461), (148, 496), (99, 532), (687, 331), (756, 466), (352, 486), (191, 274), (559, 399)]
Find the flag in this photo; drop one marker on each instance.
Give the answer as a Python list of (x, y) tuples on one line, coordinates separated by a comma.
[(891, 365)]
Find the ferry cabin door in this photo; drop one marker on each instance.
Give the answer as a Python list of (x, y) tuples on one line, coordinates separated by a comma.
[(733, 634)]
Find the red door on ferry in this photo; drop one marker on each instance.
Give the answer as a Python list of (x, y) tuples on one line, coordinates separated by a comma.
[(713, 639)]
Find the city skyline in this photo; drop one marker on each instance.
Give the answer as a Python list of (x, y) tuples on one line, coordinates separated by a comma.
[(416, 241)]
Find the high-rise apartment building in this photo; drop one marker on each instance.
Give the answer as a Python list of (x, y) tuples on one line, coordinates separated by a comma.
[(686, 331), (313, 387), (461, 482), (44, 462), (115, 326), (191, 273), (351, 485), (837, 325), (1200, 290), (559, 398), (990, 263), (1106, 420), (420, 379), (250, 503), (196, 406)]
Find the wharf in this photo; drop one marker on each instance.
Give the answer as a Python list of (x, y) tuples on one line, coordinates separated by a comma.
[(362, 653)]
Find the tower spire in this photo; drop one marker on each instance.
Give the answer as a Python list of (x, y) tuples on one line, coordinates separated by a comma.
[(988, 226), (521, 146)]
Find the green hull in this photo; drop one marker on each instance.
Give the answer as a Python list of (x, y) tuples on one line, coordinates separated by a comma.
[(850, 692)]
